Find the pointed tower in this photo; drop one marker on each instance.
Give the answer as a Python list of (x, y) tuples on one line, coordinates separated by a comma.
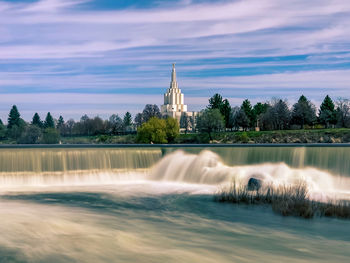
[(173, 99)]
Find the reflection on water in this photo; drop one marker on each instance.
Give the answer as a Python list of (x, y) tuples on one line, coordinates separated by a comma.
[(105, 205)]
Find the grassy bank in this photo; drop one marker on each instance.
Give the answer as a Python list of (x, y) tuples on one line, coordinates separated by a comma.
[(285, 200), (250, 137), (285, 136)]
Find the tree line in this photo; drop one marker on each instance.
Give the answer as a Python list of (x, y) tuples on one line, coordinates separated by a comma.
[(218, 116), (274, 115), (50, 130)]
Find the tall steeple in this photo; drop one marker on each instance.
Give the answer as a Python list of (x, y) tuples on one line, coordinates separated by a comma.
[(173, 98), (173, 83), (173, 74)]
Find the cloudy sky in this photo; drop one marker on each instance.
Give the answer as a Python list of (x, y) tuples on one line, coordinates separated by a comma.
[(100, 57)]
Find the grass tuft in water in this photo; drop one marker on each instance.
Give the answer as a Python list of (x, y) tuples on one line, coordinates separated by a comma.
[(284, 200)]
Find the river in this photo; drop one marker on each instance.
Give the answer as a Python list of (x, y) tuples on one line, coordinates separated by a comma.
[(155, 204)]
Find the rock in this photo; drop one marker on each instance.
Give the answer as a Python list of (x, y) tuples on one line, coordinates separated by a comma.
[(253, 184)]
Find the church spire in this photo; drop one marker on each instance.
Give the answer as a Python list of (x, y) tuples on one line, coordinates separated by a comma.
[(173, 74)]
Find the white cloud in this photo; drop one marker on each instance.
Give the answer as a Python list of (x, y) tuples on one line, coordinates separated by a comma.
[(62, 44)]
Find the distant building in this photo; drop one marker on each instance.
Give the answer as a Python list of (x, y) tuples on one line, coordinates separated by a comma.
[(174, 104)]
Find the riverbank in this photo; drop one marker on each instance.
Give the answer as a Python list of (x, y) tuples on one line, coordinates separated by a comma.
[(314, 136), (250, 137)]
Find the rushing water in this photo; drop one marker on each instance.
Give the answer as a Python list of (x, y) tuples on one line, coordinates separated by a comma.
[(155, 205)]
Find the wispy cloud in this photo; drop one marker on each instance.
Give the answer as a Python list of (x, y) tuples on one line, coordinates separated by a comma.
[(250, 48)]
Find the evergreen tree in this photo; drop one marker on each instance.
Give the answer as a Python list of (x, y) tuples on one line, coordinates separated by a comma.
[(127, 121), (327, 113), (14, 118), (225, 111), (304, 112), (49, 122), (223, 105), (2, 130), (60, 125), (248, 110), (215, 102), (37, 121), (60, 122)]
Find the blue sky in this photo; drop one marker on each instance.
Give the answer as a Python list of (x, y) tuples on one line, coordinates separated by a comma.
[(99, 57)]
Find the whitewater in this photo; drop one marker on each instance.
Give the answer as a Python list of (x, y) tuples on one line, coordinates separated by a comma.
[(156, 205)]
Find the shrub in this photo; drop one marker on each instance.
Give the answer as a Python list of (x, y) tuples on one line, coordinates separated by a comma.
[(50, 136), (244, 137), (172, 129), (152, 131), (285, 200), (31, 135)]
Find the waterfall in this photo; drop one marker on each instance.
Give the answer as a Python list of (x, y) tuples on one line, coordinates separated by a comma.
[(26, 167), (324, 169)]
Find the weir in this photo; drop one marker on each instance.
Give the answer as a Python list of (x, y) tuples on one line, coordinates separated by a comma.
[(321, 167)]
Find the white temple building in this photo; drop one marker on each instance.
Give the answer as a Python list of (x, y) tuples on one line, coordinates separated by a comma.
[(174, 105)]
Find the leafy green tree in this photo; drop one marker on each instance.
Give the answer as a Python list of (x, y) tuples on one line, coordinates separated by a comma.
[(50, 136), (304, 112), (327, 113), (209, 121), (152, 131), (37, 121), (172, 129), (49, 122), (1, 123), (31, 135), (14, 117)]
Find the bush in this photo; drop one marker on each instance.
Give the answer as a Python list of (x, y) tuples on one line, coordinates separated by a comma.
[(50, 136), (158, 131), (172, 129), (152, 131), (244, 137), (31, 135)]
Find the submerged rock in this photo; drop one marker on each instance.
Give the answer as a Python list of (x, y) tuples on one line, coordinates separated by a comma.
[(253, 184)]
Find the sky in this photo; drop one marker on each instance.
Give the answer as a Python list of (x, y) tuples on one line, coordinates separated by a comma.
[(103, 57)]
